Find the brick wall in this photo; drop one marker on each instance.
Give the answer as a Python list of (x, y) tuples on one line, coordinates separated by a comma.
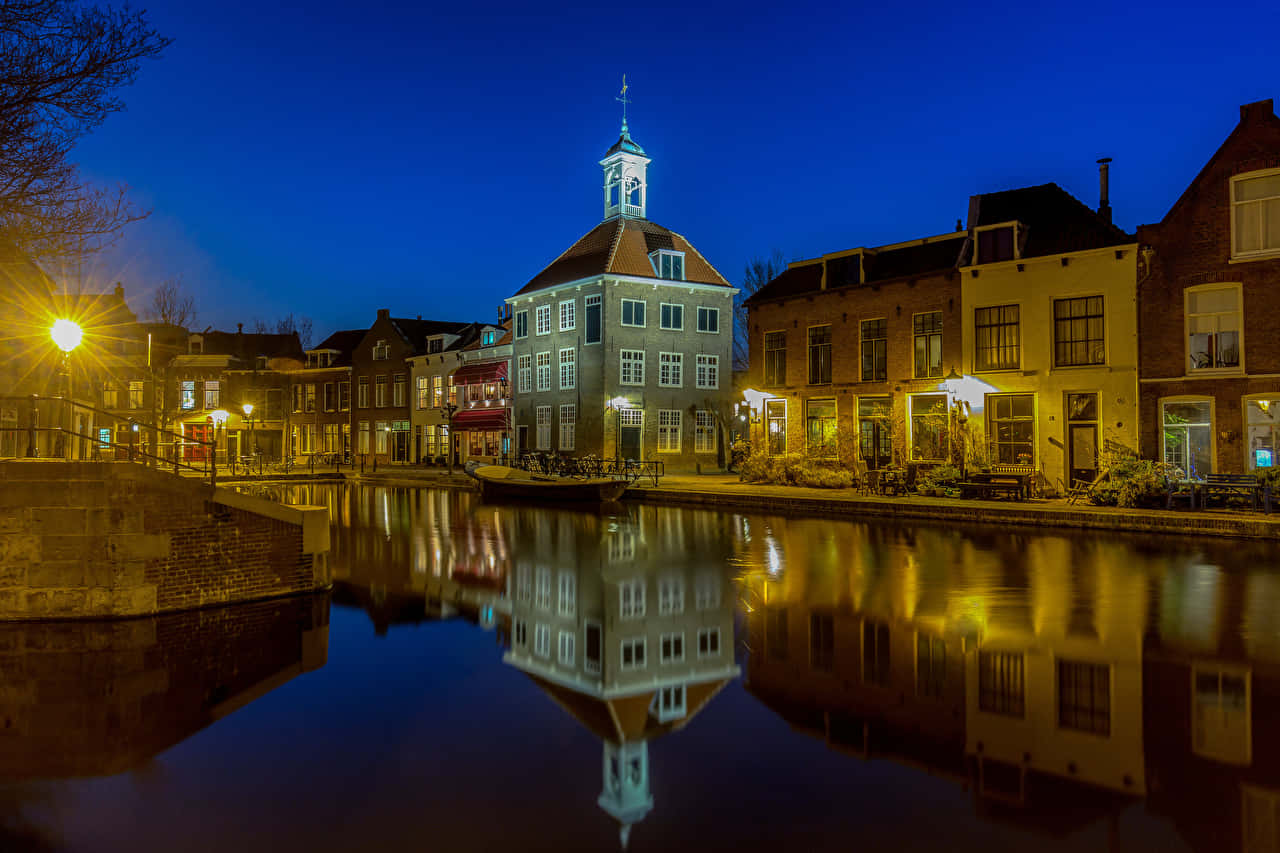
[(117, 539)]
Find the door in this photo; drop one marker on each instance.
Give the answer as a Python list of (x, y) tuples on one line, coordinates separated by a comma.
[(629, 425), (522, 439), (1082, 437)]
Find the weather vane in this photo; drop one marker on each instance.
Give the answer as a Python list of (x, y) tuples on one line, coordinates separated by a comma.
[(622, 97)]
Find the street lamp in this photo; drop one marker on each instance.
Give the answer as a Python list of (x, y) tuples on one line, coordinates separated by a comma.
[(617, 404), (66, 335)]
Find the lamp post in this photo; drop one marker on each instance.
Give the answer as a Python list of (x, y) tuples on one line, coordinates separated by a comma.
[(617, 404), (66, 335)]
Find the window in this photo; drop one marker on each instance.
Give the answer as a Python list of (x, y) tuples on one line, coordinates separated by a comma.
[(362, 393), (1077, 332), (1084, 697), (1221, 714), (110, 397), (297, 398), (567, 602), (1011, 428), (704, 432), (520, 632), (708, 642), (1255, 214), (488, 337), (398, 386), (542, 320), (875, 431), (212, 394), (706, 591), (522, 324), (309, 397), (875, 347), (996, 244), (435, 345), (543, 414), (544, 371), (542, 589), (668, 265), (875, 653), (381, 430), (524, 585), (1000, 683), (775, 415), (930, 441), (568, 369), (633, 653), (927, 329), (707, 371), (670, 596), (568, 315), (1188, 436), (524, 374), (363, 437), (379, 392), (1213, 328), (331, 440), (670, 648), (671, 316), (670, 369), (187, 398), (819, 355), (931, 665), (631, 599), (709, 320), (820, 427), (668, 430), (670, 703), (592, 330), (542, 641), (568, 425), (567, 642), (381, 351), (328, 397), (136, 395), (632, 312), (591, 655), (423, 395), (1262, 419), (775, 358), (822, 642), (437, 390), (996, 341), (344, 396), (632, 372), (275, 404)]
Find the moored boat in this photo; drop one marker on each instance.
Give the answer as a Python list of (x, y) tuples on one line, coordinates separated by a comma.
[(499, 481)]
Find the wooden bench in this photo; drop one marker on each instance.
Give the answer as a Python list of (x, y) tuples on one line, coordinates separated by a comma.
[(1227, 486), (990, 489)]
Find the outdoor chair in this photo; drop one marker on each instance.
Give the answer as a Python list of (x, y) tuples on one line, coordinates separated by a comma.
[(1080, 488)]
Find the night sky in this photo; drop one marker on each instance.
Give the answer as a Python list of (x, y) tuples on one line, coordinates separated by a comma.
[(330, 158)]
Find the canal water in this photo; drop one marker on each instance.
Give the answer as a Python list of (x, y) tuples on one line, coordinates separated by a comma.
[(494, 677)]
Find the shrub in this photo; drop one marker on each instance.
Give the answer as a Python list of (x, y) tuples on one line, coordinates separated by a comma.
[(793, 470), (1271, 477), (941, 477), (1134, 483)]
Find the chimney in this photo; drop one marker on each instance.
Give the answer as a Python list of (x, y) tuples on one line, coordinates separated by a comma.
[(119, 290), (1104, 205), (959, 225), (1257, 111), (384, 313), (239, 328)]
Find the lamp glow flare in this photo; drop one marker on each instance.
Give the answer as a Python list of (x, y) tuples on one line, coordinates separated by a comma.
[(66, 334)]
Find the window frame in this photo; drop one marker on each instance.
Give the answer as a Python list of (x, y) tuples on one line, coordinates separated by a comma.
[(815, 350), (676, 308), (673, 427), (568, 315), (706, 371), (996, 226), (568, 426), (704, 431), (522, 324), (981, 366), (542, 420), (1211, 426), (589, 302), (626, 302), (524, 373), (568, 368), (1239, 367), (1070, 320), (879, 350), (637, 362), (670, 370), (542, 320), (668, 257), (542, 372), (1237, 255), (708, 312), (927, 335), (775, 358), (911, 427)]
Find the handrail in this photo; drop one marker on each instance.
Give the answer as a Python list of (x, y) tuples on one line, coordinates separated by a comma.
[(134, 451)]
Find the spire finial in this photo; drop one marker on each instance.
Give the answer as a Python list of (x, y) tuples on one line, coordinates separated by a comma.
[(622, 97)]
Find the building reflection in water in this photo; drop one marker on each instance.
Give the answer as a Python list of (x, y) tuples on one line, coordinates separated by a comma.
[(1059, 679)]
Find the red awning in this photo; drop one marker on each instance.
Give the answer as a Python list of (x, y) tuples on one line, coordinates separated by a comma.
[(478, 374), (481, 418)]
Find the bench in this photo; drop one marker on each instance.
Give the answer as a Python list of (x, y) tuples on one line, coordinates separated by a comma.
[(1229, 486), (990, 489)]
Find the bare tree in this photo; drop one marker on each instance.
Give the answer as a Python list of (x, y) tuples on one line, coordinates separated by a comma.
[(287, 325), (758, 273), (60, 61), (170, 305)]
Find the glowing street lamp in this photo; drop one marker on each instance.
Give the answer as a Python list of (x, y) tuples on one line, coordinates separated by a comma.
[(66, 335)]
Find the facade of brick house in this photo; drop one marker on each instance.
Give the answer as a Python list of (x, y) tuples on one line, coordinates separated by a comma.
[(622, 346), (320, 399), (1209, 310), (852, 344)]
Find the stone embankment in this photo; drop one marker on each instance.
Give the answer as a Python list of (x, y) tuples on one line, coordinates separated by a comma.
[(112, 539)]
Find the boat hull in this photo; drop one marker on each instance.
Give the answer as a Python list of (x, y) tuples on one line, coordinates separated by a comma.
[(500, 482)]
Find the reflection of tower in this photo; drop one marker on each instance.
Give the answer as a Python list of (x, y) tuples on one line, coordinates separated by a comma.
[(625, 796), (627, 631)]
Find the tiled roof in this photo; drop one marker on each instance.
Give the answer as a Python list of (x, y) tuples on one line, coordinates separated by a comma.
[(793, 281), (248, 345), (621, 246), (345, 342), (416, 330), (1056, 221)]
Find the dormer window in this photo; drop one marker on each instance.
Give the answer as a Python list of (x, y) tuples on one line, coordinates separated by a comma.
[(488, 337), (260, 363), (844, 271), (1255, 214), (668, 264), (435, 344), (195, 344), (668, 704), (381, 351), (995, 243)]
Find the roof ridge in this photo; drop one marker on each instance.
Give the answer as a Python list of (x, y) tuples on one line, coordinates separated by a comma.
[(617, 240), (694, 249)]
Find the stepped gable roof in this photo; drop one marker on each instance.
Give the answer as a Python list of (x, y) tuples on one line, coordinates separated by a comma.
[(916, 258), (621, 246), (1056, 221), (246, 346), (345, 343)]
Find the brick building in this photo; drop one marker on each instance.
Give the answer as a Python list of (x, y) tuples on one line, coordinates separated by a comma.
[(1209, 310), (320, 396), (854, 341)]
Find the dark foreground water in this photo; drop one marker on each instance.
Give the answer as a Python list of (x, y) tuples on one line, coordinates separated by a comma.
[(531, 678)]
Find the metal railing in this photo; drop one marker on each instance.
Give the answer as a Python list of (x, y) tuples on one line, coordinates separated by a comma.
[(587, 467), (57, 428)]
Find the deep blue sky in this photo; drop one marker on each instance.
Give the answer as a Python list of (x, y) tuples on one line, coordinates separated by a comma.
[(330, 158)]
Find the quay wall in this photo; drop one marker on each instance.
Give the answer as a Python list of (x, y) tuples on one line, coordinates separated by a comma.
[(115, 539)]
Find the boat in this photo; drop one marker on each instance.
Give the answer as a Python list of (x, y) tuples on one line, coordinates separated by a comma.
[(499, 481)]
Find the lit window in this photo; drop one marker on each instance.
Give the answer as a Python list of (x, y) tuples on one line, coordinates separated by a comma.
[(1263, 421), (1188, 436), (669, 430), (997, 343), (1078, 332), (820, 427), (212, 395), (487, 337), (1255, 213), (930, 440), (704, 432), (188, 391), (1011, 428), (1213, 327)]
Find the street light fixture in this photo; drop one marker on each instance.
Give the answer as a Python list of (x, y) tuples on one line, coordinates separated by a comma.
[(66, 335), (247, 408)]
